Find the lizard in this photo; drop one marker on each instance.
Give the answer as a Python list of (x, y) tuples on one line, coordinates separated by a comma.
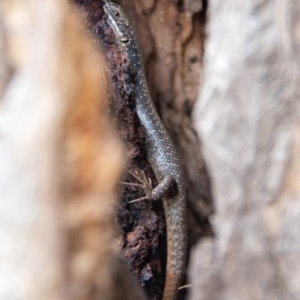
[(160, 153)]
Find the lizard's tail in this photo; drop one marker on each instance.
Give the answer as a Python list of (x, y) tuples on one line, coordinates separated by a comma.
[(171, 286), (176, 260)]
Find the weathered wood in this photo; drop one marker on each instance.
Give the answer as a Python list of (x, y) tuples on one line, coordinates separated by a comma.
[(248, 118), (59, 158)]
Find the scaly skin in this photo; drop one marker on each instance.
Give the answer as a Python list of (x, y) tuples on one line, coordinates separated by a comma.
[(160, 150)]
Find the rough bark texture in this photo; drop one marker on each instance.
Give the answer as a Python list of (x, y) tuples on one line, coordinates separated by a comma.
[(248, 119), (59, 158)]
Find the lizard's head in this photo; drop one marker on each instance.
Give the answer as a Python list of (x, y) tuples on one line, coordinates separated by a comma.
[(119, 22)]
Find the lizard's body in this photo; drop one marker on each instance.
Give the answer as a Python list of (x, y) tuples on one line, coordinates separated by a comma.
[(160, 150)]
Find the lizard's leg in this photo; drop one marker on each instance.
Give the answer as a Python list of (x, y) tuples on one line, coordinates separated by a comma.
[(166, 187)]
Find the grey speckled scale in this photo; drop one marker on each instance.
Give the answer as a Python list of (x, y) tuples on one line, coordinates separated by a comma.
[(161, 153)]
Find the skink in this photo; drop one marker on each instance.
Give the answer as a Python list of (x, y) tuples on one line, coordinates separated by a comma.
[(160, 150)]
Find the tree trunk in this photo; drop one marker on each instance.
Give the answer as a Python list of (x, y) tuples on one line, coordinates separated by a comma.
[(247, 116), (59, 159)]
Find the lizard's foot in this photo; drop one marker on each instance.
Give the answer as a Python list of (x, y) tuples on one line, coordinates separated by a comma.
[(143, 183), (167, 187)]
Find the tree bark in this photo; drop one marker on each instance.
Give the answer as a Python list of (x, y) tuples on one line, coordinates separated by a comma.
[(59, 159), (247, 116)]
